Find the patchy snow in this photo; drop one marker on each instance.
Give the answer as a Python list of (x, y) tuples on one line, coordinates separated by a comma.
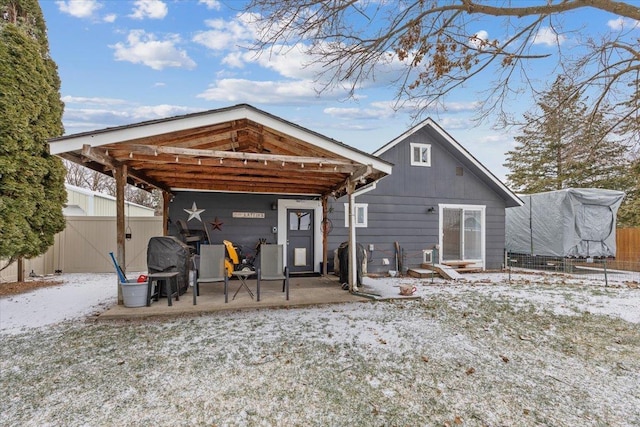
[(541, 350), (83, 295), (79, 296)]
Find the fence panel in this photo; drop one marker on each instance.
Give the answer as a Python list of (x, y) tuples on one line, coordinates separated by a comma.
[(84, 246), (628, 245)]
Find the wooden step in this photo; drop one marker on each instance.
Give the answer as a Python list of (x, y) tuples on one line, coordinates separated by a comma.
[(444, 271)]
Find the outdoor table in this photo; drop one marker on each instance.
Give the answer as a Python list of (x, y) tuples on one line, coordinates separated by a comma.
[(242, 275), (165, 277)]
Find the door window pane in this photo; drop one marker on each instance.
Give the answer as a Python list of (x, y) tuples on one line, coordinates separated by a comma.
[(472, 235), (299, 220), (451, 241)]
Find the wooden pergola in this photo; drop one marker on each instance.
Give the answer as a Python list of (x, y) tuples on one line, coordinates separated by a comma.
[(235, 149)]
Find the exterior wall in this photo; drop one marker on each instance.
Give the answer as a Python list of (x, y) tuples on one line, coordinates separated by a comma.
[(398, 208), (84, 246), (243, 232), (97, 204)]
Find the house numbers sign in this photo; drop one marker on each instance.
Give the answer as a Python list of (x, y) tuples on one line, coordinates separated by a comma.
[(252, 215)]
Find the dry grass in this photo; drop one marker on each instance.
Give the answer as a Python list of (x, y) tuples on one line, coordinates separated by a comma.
[(466, 359), (14, 288)]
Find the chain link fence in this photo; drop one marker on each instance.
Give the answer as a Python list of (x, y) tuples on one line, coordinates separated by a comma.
[(606, 270)]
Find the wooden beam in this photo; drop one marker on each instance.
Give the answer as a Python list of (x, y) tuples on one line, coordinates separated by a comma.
[(111, 163), (121, 179), (142, 161), (217, 154), (166, 199)]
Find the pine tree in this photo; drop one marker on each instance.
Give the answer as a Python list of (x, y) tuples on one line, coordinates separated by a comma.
[(32, 191), (629, 213), (555, 149)]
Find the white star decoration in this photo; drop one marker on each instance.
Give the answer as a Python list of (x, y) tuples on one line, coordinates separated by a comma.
[(194, 212)]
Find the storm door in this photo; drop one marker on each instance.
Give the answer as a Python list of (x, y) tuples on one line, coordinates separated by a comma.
[(300, 240)]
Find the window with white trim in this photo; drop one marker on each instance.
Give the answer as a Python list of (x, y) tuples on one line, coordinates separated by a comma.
[(360, 217), (420, 154)]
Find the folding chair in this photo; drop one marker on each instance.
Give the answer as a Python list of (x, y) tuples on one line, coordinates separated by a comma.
[(211, 269), (188, 236), (272, 267)]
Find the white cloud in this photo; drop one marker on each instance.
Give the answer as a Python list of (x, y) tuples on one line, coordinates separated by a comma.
[(360, 113), (263, 92), (547, 36), (79, 8), (479, 39), (226, 35), (68, 99), (621, 23), (211, 4), (81, 119), (143, 48), (110, 18), (153, 9)]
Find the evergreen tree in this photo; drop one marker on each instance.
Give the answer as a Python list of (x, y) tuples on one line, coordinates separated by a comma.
[(32, 191), (556, 150), (629, 213)]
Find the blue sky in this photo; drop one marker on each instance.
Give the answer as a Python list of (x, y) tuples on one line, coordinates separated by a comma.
[(123, 62)]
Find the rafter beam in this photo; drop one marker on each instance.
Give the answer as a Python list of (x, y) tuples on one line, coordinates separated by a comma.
[(98, 156), (177, 151)]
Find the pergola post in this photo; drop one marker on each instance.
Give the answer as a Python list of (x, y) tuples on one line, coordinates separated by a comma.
[(166, 199), (120, 174), (325, 235), (353, 284)]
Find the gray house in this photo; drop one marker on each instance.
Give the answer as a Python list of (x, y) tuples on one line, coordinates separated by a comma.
[(439, 201)]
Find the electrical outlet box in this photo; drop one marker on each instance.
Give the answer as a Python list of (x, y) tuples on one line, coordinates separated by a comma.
[(385, 261), (371, 247)]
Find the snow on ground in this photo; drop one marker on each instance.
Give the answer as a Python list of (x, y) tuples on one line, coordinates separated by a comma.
[(544, 349), (83, 295)]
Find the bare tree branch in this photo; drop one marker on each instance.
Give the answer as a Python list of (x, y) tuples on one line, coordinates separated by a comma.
[(431, 48)]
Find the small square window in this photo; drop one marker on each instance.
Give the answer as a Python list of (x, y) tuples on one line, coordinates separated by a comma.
[(420, 154), (360, 217)]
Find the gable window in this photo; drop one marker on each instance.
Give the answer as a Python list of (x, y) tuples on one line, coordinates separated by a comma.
[(420, 154), (360, 218)]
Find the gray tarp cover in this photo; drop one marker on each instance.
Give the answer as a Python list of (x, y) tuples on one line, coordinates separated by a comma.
[(576, 222), (166, 253)]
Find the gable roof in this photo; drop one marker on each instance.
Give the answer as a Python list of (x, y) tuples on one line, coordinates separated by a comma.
[(233, 149), (458, 151)]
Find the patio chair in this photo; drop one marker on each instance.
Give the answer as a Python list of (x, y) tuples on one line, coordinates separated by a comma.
[(211, 269), (190, 237), (272, 267)]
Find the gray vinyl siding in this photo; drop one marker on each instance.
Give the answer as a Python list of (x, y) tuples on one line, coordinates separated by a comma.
[(244, 232), (398, 207)]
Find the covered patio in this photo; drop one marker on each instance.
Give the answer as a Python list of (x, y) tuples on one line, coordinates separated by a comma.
[(235, 150), (305, 291)]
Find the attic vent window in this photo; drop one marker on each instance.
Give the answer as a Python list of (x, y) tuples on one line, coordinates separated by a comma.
[(459, 171), (420, 154)]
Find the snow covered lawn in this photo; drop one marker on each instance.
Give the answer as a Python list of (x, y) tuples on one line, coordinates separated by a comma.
[(541, 350)]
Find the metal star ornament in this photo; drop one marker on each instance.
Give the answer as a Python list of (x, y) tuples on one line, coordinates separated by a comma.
[(194, 212), (216, 224)]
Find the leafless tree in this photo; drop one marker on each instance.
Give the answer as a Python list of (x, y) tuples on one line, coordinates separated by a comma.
[(83, 177), (87, 178), (436, 47)]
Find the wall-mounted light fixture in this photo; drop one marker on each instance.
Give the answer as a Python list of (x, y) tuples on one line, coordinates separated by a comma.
[(431, 209), (274, 206)]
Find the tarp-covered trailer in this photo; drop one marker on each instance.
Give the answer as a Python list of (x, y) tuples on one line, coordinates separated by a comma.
[(575, 222)]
